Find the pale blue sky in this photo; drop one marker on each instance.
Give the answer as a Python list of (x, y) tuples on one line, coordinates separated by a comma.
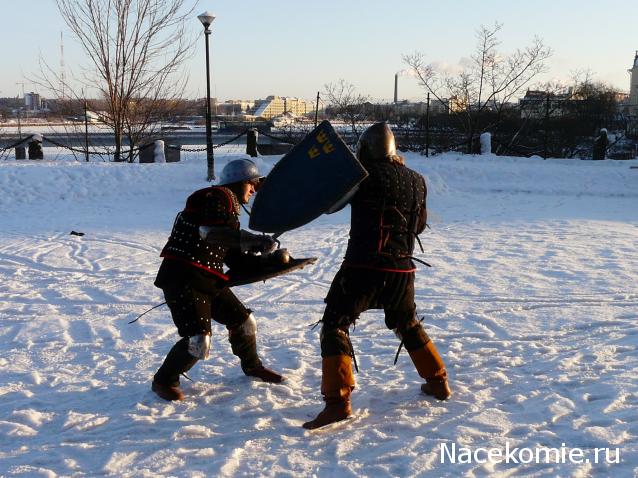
[(292, 48)]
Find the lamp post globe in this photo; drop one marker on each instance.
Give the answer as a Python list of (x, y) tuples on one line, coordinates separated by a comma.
[(206, 19)]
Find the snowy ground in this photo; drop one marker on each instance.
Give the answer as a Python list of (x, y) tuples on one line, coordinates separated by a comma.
[(532, 300)]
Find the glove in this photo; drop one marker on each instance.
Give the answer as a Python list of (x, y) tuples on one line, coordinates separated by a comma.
[(276, 258), (249, 242)]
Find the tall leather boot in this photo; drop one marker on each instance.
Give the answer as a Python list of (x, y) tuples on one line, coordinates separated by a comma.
[(337, 383), (243, 342), (166, 379), (430, 366)]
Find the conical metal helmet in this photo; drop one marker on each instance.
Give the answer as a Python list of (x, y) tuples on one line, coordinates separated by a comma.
[(376, 143)]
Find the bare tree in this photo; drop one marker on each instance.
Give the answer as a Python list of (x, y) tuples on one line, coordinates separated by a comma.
[(487, 83), (563, 117), (134, 49), (346, 103)]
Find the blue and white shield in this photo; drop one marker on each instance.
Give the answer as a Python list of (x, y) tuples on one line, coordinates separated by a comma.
[(315, 177)]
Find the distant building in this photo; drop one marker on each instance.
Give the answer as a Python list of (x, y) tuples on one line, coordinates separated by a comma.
[(632, 102), (234, 107), (440, 107), (289, 118), (437, 107), (34, 102), (536, 103), (277, 106)]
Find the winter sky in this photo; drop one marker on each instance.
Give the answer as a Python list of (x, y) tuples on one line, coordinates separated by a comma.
[(292, 48)]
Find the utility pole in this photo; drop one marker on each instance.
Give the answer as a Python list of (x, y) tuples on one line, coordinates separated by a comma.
[(62, 74), (317, 110), (86, 131), (427, 126), (546, 125)]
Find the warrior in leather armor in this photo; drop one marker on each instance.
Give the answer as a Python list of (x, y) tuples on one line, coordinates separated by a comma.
[(388, 212), (205, 236)]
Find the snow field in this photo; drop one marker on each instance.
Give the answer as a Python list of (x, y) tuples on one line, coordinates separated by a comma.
[(531, 300)]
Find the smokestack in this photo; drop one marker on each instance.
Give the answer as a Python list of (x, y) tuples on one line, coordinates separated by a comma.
[(396, 88)]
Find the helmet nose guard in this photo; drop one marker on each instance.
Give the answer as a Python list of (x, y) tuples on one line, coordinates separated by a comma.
[(376, 143), (239, 170)]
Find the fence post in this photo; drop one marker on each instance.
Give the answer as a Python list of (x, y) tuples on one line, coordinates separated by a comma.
[(600, 145), (486, 143), (35, 147), (158, 151), (251, 142), (21, 152), (173, 153)]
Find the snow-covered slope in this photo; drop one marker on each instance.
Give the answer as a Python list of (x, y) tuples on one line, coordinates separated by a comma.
[(532, 300)]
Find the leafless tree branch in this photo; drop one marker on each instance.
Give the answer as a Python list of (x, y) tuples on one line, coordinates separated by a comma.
[(489, 82), (135, 49), (347, 104)]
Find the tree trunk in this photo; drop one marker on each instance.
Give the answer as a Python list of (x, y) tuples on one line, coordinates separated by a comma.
[(117, 157)]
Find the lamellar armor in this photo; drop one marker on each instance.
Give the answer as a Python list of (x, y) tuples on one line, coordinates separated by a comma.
[(388, 212), (212, 206)]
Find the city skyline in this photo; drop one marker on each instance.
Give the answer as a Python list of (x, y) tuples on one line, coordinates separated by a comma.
[(287, 49)]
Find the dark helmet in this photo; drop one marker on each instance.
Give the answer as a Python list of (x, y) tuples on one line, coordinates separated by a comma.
[(377, 144), (239, 170)]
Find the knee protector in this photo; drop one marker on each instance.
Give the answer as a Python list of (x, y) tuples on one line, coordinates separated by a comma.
[(199, 346), (248, 326)]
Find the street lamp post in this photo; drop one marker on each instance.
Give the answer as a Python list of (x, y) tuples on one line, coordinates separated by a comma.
[(207, 19)]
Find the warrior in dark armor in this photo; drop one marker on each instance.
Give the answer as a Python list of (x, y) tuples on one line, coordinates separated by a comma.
[(205, 236), (388, 212)]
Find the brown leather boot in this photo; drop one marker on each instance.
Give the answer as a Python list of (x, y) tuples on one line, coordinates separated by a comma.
[(167, 392), (337, 383), (337, 408), (166, 380), (265, 374), (430, 366), (440, 390)]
